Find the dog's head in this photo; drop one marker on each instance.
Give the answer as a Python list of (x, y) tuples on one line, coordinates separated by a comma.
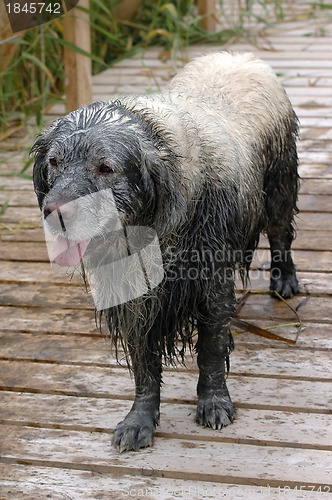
[(100, 165)]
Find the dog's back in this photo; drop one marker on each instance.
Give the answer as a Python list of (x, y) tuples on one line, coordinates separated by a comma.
[(229, 114), (238, 85)]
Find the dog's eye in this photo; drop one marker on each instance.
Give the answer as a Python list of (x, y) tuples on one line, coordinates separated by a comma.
[(53, 162), (105, 169)]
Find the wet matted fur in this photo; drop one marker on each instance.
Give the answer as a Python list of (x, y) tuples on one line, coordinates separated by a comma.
[(209, 163)]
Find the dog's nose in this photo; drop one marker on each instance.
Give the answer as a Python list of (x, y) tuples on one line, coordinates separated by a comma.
[(63, 209)]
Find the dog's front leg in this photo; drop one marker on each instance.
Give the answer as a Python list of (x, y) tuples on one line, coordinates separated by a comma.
[(138, 428), (214, 408)]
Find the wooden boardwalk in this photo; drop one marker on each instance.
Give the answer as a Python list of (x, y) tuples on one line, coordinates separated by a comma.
[(62, 394)]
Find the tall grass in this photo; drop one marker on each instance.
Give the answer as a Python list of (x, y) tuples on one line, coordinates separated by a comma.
[(33, 80)]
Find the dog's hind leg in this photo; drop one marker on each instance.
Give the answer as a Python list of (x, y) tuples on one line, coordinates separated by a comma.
[(138, 428), (283, 278), (281, 189), (214, 408)]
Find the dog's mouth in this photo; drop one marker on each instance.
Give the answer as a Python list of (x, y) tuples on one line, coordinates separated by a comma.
[(68, 252)]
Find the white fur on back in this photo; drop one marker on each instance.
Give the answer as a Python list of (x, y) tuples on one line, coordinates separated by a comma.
[(239, 83), (219, 105)]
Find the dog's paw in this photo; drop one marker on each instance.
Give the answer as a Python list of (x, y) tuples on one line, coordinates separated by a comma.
[(215, 410), (285, 285), (134, 432)]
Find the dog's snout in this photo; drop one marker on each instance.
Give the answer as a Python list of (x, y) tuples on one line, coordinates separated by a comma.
[(62, 208)]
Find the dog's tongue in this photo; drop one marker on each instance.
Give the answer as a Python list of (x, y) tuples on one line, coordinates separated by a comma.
[(69, 252)]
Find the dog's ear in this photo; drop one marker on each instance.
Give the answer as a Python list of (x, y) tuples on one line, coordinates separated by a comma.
[(39, 149), (169, 191)]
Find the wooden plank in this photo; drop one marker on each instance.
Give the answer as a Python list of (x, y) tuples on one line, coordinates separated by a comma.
[(276, 362), (323, 157), (27, 214), (308, 112), (27, 251), (311, 336), (34, 272), (115, 383), (305, 260), (48, 320), (314, 121), (10, 165), (263, 427), (43, 295), (144, 77), (308, 29), (285, 38), (16, 183), (72, 349), (280, 51), (77, 66), (307, 240), (158, 79), (18, 199), (30, 482), (300, 50), (225, 462), (315, 203), (310, 65), (311, 102), (20, 234), (127, 72), (58, 296), (316, 142), (140, 80), (81, 322), (311, 170), (320, 140), (90, 351), (319, 82), (301, 47), (267, 307), (309, 136)]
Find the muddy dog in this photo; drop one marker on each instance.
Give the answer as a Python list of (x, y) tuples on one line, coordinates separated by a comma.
[(208, 165)]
